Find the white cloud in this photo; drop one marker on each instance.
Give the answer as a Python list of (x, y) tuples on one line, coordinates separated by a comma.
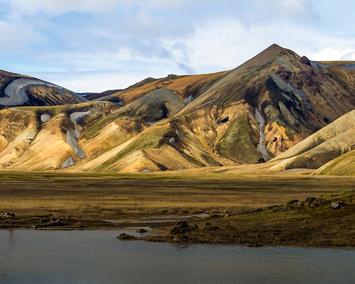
[(227, 43), (60, 6), (16, 36), (134, 39), (101, 71), (335, 53), (349, 56), (96, 6), (218, 44), (91, 82), (97, 81), (295, 9)]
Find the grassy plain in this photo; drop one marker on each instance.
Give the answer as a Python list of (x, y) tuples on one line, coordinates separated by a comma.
[(103, 195), (76, 200)]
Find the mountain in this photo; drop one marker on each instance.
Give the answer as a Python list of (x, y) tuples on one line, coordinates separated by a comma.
[(324, 146), (19, 90), (247, 115)]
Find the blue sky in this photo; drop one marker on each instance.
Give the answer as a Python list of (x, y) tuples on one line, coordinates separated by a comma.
[(95, 45)]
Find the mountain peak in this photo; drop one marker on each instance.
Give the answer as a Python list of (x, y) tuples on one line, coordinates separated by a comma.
[(271, 53), (275, 47), (275, 50)]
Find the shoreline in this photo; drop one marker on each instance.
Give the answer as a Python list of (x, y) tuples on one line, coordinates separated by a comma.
[(244, 210), (183, 245), (295, 223)]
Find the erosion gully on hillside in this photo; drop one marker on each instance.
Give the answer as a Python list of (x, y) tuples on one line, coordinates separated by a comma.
[(263, 210)]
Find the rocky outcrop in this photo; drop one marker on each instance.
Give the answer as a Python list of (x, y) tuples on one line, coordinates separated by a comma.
[(7, 215), (337, 204), (305, 60), (182, 227)]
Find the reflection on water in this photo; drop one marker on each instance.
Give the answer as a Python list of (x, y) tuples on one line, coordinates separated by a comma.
[(98, 257)]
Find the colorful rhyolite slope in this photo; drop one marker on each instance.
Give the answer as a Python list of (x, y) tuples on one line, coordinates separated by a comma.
[(248, 115)]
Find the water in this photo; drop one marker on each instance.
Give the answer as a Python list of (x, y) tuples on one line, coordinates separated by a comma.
[(98, 257)]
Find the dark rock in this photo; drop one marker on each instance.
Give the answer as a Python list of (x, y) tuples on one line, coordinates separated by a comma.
[(126, 237), (222, 120), (293, 202), (44, 220), (56, 222), (318, 203), (194, 227), (284, 75), (181, 227), (305, 60), (314, 202), (275, 208), (7, 215), (210, 227), (172, 77), (337, 204), (142, 231), (256, 210), (261, 160), (284, 208), (310, 201)]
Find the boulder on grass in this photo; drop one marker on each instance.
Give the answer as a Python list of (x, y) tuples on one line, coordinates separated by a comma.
[(7, 215), (181, 227), (337, 204)]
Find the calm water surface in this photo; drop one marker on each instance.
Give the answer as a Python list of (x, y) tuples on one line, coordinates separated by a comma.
[(98, 257)]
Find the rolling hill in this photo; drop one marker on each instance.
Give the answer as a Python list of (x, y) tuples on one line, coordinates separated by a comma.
[(328, 145), (19, 90), (344, 165)]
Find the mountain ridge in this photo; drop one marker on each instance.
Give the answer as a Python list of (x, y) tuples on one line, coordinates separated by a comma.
[(246, 115)]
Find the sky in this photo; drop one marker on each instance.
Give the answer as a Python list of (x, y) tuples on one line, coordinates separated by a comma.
[(97, 45)]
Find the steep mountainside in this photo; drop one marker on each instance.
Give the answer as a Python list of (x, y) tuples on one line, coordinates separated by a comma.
[(291, 96), (18, 90), (247, 115)]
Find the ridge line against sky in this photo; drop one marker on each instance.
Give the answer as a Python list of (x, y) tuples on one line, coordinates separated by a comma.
[(85, 45)]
